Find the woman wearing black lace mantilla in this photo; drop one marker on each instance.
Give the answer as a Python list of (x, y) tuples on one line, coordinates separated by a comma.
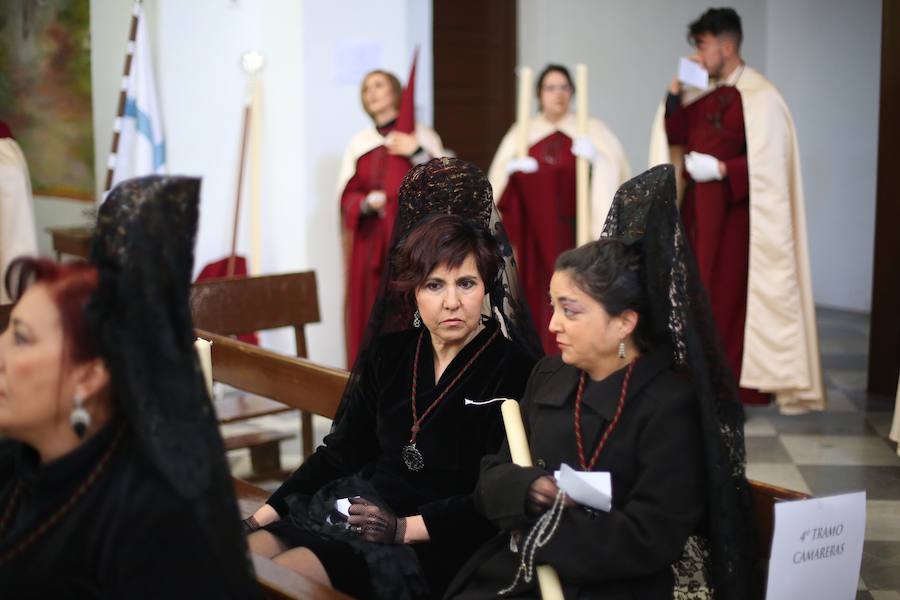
[(446, 337), (641, 391), (113, 479)]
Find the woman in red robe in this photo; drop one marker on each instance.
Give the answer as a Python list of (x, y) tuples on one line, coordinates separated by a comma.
[(536, 194), (368, 190)]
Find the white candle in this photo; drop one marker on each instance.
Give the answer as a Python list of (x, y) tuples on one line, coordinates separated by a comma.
[(203, 349), (515, 433), (523, 111), (582, 199), (548, 580), (255, 177)]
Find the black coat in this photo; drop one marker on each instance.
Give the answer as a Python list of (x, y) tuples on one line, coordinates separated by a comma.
[(655, 456), (375, 426), (129, 536)]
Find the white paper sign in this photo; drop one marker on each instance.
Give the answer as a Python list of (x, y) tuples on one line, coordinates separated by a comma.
[(817, 548), (354, 58), (590, 488), (692, 74)]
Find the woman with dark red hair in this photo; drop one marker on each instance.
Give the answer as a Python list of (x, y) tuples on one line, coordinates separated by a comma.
[(445, 339), (113, 482)]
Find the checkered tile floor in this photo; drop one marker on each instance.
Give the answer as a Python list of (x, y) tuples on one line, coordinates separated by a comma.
[(843, 449)]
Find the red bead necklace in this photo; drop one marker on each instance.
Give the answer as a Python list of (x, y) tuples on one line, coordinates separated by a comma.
[(412, 457), (585, 466)]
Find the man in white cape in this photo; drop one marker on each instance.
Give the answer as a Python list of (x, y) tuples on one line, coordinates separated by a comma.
[(779, 352)]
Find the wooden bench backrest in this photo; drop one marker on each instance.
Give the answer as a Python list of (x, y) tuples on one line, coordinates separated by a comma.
[(236, 305), (764, 497), (296, 382)]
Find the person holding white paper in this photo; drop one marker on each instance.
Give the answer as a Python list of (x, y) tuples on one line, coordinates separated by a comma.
[(536, 193), (743, 211), (418, 413), (640, 391)]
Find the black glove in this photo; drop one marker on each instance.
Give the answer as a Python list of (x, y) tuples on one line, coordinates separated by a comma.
[(375, 524), (249, 525), (542, 494)]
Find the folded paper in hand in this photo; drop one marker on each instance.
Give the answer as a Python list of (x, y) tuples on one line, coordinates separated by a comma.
[(692, 74), (590, 488), (340, 513)]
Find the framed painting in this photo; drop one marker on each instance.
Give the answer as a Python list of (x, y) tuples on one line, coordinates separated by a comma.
[(45, 92)]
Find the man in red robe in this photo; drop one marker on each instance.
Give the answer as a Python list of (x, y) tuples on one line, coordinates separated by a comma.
[(716, 205)]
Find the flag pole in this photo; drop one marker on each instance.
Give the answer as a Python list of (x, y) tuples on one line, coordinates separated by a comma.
[(123, 94)]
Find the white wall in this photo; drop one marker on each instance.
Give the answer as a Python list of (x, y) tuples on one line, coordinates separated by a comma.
[(824, 55), (631, 50), (334, 115), (308, 118)]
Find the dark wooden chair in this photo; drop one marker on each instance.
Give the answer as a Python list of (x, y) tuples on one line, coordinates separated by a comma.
[(237, 305), (764, 497), (5, 311)]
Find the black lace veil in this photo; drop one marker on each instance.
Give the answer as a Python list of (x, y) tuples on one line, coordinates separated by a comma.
[(439, 187), (644, 213), (140, 318)]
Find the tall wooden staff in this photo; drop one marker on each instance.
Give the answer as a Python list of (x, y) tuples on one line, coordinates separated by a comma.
[(582, 197), (523, 111), (123, 95), (548, 580)]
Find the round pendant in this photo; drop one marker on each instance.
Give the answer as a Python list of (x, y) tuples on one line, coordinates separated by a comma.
[(412, 458)]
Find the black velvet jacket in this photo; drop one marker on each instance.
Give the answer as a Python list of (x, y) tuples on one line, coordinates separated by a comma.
[(129, 536), (453, 439), (655, 456)]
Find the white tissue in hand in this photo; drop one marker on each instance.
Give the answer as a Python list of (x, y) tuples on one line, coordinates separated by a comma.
[(342, 505), (589, 488)]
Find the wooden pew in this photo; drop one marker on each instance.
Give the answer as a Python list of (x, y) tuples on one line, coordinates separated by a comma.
[(278, 583), (296, 382), (237, 305), (764, 496), (300, 384)]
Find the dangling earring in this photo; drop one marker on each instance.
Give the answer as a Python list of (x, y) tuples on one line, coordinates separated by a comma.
[(80, 418), (622, 349), (417, 320)]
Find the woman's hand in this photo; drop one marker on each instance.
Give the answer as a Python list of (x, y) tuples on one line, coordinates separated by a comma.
[(372, 523), (375, 201), (401, 144), (264, 515), (542, 494)]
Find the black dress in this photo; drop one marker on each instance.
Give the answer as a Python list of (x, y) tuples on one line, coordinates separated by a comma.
[(375, 426), (655, 456), (130, 535)]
